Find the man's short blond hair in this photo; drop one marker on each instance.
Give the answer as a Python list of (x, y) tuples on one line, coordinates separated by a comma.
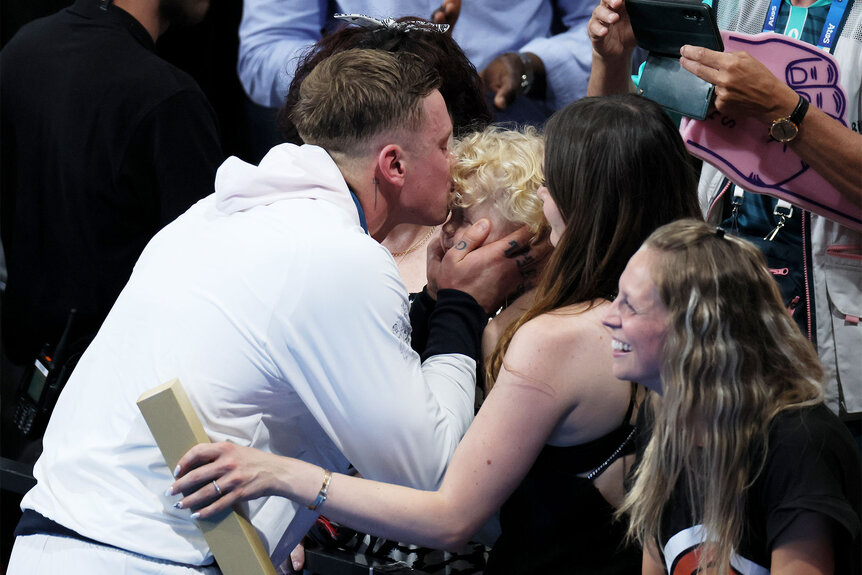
[(355, 95)]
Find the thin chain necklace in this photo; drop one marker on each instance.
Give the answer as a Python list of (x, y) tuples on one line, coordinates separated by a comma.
[(416, 245)]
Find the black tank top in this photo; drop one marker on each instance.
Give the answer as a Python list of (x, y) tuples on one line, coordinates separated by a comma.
[(558, 522)]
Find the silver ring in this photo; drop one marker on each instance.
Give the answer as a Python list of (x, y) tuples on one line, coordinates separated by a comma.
[(218, 491)]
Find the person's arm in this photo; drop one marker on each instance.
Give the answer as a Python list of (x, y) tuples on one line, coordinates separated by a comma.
[(346, 354), (559, 65), (613, 44), (805, 547), (498, 450), (503, 76), (272, 36), (565, 57), (420, 320), (805, 493), (447, 13), (651, 564), (744, 86), (394, 415)]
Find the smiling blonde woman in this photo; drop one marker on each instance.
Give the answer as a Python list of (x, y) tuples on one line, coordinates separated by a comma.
[(746, 470)]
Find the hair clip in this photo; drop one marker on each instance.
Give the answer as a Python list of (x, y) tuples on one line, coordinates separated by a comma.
[(719, 232), (392, 24)]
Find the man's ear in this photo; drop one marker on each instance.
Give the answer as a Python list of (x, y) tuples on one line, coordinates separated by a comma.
[(391, 164)]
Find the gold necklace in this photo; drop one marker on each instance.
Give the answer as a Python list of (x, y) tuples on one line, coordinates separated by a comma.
[(417, 245)]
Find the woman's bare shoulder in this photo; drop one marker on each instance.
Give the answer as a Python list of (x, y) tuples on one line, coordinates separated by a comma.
[(565, 325), (495, 328), (547, 344)]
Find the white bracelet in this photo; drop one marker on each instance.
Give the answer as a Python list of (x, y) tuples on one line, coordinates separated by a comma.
[(321, 495)]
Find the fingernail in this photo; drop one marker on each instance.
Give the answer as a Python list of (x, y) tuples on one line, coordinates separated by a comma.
[(178, 504), (195, 515), (296, 565), (169, 492), (176, 470), (482, 225)]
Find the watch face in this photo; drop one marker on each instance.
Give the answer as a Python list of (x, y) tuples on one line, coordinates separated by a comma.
[(783, 130)]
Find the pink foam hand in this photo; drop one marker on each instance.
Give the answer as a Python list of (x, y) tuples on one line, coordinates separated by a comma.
[(743, 150)]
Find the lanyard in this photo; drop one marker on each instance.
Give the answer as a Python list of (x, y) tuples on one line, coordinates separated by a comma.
[(830, 27), (360, 210)]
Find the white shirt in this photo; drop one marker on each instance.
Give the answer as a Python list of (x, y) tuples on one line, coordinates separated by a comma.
[(288, 327)]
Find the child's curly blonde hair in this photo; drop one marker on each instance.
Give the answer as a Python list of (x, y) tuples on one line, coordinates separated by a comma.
[(505, 167)]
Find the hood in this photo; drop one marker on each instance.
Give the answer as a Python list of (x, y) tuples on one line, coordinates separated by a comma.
[(286, 172)]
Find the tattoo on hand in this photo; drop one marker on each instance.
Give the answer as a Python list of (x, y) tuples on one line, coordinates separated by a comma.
[(515, 249), (462, 245), (527, 266)]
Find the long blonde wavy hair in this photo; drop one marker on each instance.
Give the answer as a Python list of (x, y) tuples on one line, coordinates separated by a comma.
[(732, 359)]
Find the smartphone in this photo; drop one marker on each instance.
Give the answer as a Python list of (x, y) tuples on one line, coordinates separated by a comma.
[(663, 26)]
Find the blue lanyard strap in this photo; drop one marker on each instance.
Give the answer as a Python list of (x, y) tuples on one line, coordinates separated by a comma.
[(772, 15), (831, 28), (360, 210)]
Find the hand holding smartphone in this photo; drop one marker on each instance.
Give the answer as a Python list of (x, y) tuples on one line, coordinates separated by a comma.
[(662, 27)]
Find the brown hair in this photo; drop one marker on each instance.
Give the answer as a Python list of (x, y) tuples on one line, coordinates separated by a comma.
[(617, 169)]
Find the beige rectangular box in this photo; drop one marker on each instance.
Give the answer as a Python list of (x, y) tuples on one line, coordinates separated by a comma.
[(176, 427)]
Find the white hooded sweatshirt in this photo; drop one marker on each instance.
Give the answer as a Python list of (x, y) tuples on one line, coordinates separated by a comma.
[(288, 326)]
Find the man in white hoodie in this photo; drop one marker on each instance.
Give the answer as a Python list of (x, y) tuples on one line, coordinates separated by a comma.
[(287, 323)]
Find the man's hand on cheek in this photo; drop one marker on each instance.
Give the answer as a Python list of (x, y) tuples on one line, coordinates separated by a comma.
[(490, 273)]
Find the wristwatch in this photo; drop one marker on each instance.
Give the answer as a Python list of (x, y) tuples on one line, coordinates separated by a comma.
[(786, 128)]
